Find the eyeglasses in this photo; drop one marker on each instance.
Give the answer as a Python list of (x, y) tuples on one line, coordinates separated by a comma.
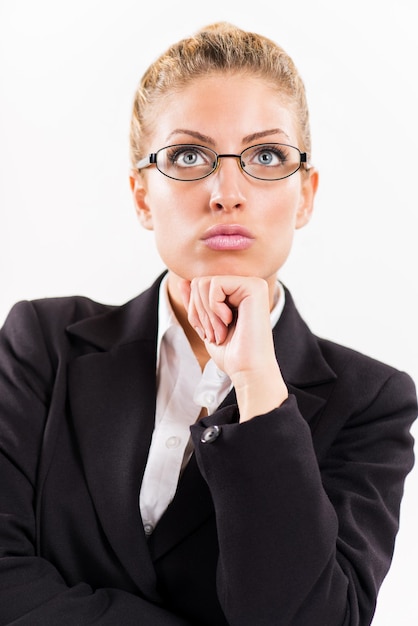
[(265, 161)]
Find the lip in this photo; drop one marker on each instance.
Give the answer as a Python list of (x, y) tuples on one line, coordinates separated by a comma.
[(228, 237)]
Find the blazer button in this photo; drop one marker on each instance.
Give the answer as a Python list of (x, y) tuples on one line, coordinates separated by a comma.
[(210, 434)]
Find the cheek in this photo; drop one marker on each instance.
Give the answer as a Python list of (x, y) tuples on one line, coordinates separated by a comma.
[(284, 207), (171, 200), (170, 230), (176, 210)]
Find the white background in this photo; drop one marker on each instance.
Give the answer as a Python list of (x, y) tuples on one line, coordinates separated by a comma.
[(68, 71)]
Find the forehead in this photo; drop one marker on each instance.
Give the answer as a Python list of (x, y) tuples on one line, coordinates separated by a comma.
[(226, 108)]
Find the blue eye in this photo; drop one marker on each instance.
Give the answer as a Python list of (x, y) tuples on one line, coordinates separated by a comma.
[(268, 156), (265, 158), (186, 156)]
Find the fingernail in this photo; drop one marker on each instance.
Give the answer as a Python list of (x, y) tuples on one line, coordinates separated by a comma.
[(200, 332)]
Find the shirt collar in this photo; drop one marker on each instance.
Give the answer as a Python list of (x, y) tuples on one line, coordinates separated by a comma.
[(166, 317), (278, 306)]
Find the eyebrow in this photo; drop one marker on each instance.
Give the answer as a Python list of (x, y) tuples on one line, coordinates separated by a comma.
[(265, 133), (192, 133), (247, 139)]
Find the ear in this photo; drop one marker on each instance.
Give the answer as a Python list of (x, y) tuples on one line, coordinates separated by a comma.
[(139, 194), (309, 187)]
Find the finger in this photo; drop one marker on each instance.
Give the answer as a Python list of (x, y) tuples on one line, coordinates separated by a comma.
[(192, 316), (197, 315), (203, 315), (218, 301), (184, 286)]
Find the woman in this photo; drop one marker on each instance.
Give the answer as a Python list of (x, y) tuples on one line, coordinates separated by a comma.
[(282, 506)]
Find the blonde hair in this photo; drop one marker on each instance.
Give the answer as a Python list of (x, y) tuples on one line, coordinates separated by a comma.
[(218, 48)]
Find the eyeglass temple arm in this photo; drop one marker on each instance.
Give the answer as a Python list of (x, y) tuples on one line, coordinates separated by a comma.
[(146, 161), (304, 159)]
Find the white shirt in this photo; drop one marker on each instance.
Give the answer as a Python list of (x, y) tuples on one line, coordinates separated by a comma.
[(182, 390)]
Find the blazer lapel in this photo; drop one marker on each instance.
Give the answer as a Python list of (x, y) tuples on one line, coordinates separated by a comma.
[(304, 368), (113, 397)]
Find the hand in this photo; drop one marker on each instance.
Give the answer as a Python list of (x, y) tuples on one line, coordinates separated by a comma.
[(232, 315)]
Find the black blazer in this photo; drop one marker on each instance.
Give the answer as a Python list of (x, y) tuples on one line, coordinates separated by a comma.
[(288, 519)]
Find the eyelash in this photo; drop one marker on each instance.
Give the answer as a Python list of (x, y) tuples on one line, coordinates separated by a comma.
[(177, 152)]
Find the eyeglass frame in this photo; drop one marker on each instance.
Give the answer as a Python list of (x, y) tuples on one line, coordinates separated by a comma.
[(151, 159)]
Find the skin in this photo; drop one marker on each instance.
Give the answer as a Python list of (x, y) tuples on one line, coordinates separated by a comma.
[(223, 298)]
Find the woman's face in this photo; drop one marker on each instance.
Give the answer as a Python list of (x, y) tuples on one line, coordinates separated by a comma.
[(227, 114)]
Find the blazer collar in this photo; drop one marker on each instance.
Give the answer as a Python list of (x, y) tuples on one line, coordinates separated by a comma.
[(134, 321), (297, 350)]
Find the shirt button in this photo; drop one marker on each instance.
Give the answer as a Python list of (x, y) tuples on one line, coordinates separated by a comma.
[(173, 442), (148, 528), (208, 398), (210, 434)]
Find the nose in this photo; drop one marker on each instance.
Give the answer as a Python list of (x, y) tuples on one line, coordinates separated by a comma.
[(227, 191)]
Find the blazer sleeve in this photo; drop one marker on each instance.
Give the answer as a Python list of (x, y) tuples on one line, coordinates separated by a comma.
[(32, 591), (307, 541)]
